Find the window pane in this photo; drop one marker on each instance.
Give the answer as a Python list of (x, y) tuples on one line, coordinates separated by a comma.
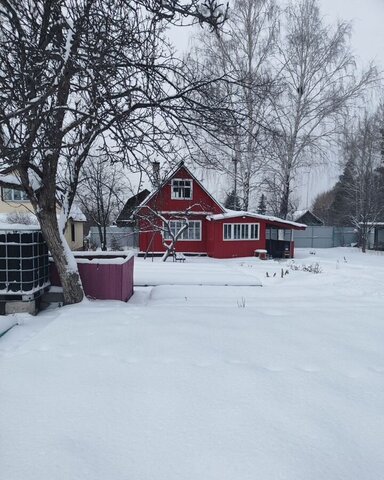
[(16, 194), (7, 194), (193, 232), (198, 230), (182, 189), (254, 231)]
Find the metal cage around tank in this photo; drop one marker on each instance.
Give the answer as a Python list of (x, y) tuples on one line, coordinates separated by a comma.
[(24, 264)]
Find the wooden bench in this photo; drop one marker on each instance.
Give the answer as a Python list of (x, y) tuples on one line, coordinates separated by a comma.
[(179, 257)]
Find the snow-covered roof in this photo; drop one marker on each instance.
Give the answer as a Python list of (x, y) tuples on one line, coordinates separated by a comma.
[(375, 224), (76, 213), (12, 180), (299, 213), (268, 218)]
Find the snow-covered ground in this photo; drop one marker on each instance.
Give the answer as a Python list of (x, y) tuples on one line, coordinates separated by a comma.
[(204, 381)]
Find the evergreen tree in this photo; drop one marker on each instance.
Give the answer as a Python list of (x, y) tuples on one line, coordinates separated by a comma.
[(232, 202), (343, 205)]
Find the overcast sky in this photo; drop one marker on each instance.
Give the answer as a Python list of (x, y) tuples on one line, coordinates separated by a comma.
[(367, 18)]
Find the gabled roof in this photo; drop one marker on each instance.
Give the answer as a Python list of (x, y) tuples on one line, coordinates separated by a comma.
[(300, 214), (131, 204), (229, 214), (170, 176)]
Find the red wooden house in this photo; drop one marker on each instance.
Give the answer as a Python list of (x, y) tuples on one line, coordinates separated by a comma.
[(212, 229)]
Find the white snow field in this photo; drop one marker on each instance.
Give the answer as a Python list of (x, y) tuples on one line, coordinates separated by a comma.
[(204, 382)]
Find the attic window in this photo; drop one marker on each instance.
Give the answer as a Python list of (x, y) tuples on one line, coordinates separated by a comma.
[(13, 195), (181, 189)]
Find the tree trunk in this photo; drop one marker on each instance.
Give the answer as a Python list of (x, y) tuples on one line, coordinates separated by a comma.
[(284, 201), (363, 239), (104, 245), (63, 257), (170, 250)]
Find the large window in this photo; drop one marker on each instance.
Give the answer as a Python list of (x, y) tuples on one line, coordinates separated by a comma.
[(193, 232), (181, 189), (241, 231), (12, 195)]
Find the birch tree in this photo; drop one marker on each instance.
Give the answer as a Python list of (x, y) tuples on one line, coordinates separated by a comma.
[(318, 82), (243, 53), (77, 75)]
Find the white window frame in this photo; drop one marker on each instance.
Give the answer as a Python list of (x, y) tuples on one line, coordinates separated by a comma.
[(13, 199), (175, 197), (238, 229), (181, 239)]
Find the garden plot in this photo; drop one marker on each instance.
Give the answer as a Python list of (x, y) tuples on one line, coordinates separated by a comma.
[(195, 271), (204, 382)]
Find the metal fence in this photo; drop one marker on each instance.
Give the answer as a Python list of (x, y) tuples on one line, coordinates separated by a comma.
[(118, 238), (325, 237)]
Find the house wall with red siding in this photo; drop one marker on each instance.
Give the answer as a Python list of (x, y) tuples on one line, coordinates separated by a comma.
[(202, 205), (220, 248), (151, 240)]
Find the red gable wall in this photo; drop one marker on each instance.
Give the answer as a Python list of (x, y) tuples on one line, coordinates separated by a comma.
[(163, 203), (201, 200)]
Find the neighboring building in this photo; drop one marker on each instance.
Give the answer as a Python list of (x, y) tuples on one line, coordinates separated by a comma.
[(308, 218), (213, 230), (375, 237), (16, 208), (125, 218)]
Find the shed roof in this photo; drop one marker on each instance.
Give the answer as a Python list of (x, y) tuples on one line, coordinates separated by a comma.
[(230, 214)]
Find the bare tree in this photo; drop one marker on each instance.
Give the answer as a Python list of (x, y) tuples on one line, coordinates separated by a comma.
[(172, 228), (316, 71), (364, 190), (101, 193), (322, 204), (77, 75), (243, 53)]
